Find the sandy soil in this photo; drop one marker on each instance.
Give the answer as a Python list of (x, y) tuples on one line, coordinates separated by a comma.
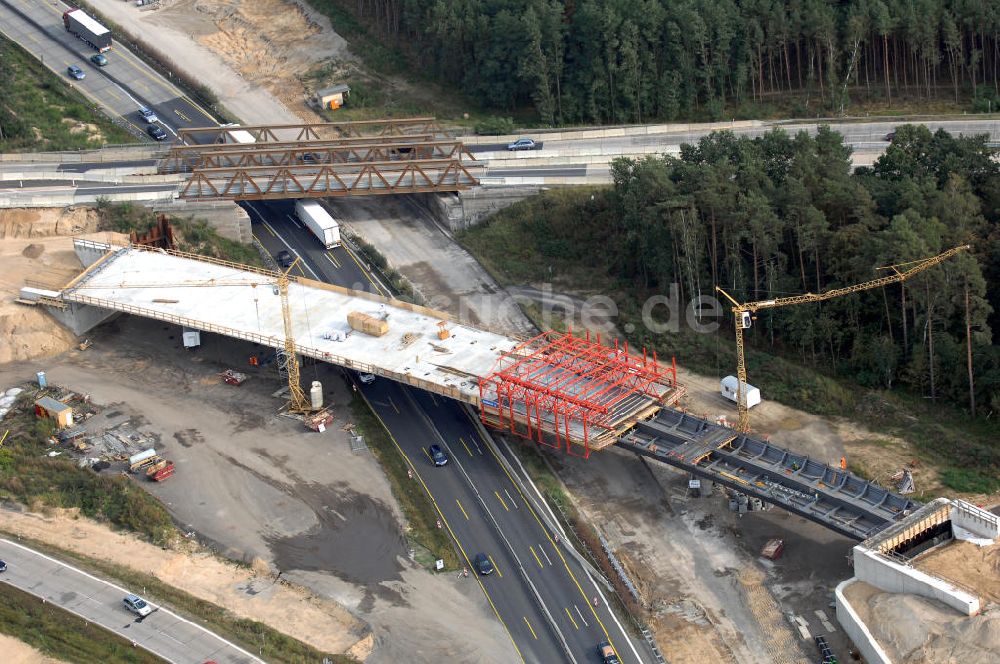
[(178, 43), (36, 245), (968, 565), (709, 601), (16, 651), (915, 629), (260, 489), (293, 610)]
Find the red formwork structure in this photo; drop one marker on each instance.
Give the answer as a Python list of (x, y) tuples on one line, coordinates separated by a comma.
[(559, 389)]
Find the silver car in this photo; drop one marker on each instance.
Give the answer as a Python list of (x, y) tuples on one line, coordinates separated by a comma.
[(137, 605)]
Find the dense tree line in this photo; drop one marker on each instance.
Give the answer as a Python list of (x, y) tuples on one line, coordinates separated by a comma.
[(639, 60), (784, 214)]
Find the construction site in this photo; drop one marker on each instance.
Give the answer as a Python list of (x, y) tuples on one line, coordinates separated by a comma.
[(617, 497)]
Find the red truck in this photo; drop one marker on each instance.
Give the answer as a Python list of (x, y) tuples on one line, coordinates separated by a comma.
[(77, 22)]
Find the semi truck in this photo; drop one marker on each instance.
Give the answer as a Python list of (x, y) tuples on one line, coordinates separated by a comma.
[(77, 22), (319, 221), (234, 134)]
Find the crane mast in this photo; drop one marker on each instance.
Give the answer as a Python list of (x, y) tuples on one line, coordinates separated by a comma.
[(743, 313)]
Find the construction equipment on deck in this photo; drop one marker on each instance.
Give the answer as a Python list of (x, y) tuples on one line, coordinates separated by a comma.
[(744, 313)]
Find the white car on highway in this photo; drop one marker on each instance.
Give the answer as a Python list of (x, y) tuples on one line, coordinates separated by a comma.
[(521, 144), (137, 605)]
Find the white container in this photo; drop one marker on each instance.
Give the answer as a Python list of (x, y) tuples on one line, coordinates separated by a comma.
[(316, 395), (192, 338), (727, 386), (318, 220), (41, 379)]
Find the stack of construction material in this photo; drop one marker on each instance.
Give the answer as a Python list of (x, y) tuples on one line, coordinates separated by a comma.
[(362, 322)]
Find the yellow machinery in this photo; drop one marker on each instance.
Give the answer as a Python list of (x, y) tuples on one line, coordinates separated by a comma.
[(297, 401), (744, 314)]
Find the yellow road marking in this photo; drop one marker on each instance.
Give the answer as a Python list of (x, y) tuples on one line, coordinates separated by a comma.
[(537, 559), (571, 618), (270, 230), (363, 270), (463, 509), (531, 509), (495, 565), (444, 520), (497, 494), (530, 628), (330, 257), (182, 116), (427, 454), (466, 447)]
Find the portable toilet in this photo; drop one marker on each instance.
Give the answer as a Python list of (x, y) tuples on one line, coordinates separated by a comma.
[(58, 411), (727, 387)]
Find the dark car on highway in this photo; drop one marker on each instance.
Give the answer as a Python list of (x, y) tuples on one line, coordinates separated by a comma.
[(607, 653), (99, 59), (157, 132), (75, 72), (483, 564), (3, 566), (285, 259), (437, 455)]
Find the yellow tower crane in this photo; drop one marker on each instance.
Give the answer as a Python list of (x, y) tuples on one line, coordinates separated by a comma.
[(744, 314), (297, 401)]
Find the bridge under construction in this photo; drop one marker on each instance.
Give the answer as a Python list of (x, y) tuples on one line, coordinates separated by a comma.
[(559, 389)]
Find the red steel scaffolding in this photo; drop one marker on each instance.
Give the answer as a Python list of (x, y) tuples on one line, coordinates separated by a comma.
[(558, 389)]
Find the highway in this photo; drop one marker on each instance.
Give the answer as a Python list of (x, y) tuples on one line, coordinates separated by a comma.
[(540, 592), (162, 632), (120, 88), (861, 135)]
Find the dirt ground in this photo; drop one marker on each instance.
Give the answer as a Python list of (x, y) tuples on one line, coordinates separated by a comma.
[(915, 629), (445, 274), (697, 565), (258, 487), (36, 245), (16, 651), (195, 570), (966, 564)]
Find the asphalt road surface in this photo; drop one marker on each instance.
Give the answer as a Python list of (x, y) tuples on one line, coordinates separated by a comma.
[(162, 632), (865, 135), (120, 87), (540, 592)]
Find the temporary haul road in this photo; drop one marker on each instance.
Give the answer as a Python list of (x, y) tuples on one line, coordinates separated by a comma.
[(162, 632)]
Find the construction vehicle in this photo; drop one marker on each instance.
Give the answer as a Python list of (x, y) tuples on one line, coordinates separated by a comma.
[(77, 22), (744, 314)]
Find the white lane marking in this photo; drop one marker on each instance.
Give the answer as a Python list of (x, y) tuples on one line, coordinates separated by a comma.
[(294, 221), (547, 559), (511, 498), (579, 613)]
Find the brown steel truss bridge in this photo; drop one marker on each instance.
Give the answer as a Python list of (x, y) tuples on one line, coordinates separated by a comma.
[(319, 160), (305, 131)]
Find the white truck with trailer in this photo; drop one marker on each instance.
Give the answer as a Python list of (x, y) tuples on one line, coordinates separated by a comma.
[(78, 23), (234, 134), (318, 220)]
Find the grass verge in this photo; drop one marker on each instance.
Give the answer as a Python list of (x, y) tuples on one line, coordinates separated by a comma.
[(522, 244), (255, 637), (163, 65), (31, 477), (61, 634), (418, 507), (192, 235), (585, 537), (40, 111)]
